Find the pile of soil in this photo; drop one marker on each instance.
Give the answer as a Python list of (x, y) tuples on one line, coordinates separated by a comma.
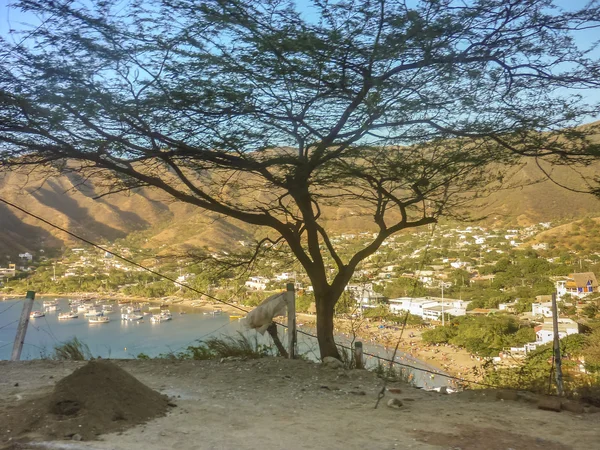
[(97, 398)]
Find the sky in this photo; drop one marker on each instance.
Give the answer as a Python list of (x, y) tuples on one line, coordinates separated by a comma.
[(12, 18)]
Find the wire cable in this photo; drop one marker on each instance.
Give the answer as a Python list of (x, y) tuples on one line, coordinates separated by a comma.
[(7, 308), (391, 361), (8, 324)]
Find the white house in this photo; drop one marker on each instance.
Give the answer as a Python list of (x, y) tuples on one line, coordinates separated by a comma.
[(26, 256), (285, 276), (541, 309), (544, 333), (257, 283), (427, 308)]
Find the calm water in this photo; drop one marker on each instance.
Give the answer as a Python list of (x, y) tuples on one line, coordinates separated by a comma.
[(125, 339)]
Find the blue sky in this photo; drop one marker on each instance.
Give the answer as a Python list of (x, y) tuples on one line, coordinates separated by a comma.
[(12, 18)]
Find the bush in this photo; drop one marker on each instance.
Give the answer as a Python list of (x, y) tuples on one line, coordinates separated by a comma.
[(73, 350)]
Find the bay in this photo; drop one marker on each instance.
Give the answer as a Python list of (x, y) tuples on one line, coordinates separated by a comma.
[(121, 339)]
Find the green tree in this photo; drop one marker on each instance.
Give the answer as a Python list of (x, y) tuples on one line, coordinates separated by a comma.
[(266, 114)]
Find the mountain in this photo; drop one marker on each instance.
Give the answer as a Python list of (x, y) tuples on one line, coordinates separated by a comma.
[(70, 203)]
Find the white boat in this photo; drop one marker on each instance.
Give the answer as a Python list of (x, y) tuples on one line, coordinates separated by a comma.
[(131, 317), (99, 319), (69, 315), (160, 318), (49, 303), (107, 309), (94, 311), (82, 307), (36, 314), (51, 308)]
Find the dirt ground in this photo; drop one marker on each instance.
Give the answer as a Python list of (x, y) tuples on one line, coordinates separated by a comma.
[(275, 403)]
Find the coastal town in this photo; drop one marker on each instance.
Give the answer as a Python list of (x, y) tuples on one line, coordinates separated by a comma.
[(435, 278)]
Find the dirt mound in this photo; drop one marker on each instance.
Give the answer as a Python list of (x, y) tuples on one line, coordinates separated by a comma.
[(97, 398)]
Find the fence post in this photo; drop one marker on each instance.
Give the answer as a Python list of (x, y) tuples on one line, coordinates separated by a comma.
[(291, 304), (22, 327), (358, 355), (557, 358)]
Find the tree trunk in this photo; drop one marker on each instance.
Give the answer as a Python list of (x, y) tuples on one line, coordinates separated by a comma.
[(325, 308)]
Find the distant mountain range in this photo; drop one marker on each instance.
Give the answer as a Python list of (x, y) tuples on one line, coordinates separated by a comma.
[(68, 202)]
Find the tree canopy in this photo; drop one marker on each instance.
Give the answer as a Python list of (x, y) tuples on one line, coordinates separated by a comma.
[(269, 113)]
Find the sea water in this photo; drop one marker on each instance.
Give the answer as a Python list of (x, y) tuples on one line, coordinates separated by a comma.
[(123, 339)]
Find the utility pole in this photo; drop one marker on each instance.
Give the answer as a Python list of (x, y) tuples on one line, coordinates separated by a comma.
[(291, 304), (22, 327), (557, 358), (443, 319)]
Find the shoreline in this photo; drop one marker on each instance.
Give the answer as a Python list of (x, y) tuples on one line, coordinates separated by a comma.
[(449, 359)]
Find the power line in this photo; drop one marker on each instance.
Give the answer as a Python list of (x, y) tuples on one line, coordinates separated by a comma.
[(8, 324), (7, 308), (93, 244)]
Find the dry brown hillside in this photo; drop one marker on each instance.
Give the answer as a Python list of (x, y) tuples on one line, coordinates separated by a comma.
[(66, 201)]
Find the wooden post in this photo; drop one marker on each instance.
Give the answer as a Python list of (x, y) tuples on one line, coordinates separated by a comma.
[(291, 304), (557, 358), (358, 355), (22, 328)]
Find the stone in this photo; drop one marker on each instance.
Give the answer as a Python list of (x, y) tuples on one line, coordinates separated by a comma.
[(16, 384), (358, 392), (443, 390), (550, 404), (571, 406), (591, 409), (76, 437), (394, 390), (507, 394), (332, 363), (394, 403)]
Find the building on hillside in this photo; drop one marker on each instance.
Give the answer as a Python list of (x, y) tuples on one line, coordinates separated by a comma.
[(577, 285), (545, 333), (8, 272), (26, 257), (482, 311), (257, 283), (543, 309), (428, 308), (364, 295), (508, 307), (284, 276)]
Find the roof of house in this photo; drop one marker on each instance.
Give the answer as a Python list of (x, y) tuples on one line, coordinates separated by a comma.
[(580, 280)]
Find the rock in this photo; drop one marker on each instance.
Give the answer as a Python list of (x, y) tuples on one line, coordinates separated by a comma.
[(591, 409), (358, 392), (76, 437), (443, 390), (394, 403), (507, 394), (394, 390), (16, 384), (571, 406), (330, 362), (550, 404)]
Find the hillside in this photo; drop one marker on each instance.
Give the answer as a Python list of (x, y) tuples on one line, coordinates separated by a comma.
[(70, 203)]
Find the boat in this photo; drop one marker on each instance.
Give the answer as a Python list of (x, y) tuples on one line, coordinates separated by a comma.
[(107, 309), (153, 307), (99, 319), (93, 312), (50, 303), (51, 308), (131, 317), (69, 315), (36, 314), (160, 318), (234, 317), (83, 307)]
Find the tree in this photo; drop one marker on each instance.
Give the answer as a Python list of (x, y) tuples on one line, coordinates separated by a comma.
[(269, 114)]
